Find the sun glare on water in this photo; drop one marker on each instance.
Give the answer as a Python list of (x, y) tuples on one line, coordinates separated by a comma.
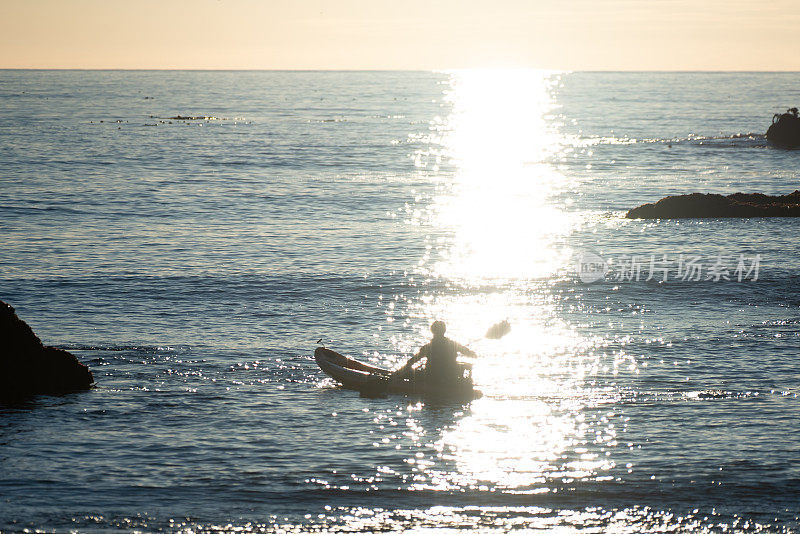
[(505, 231), (497, 205)]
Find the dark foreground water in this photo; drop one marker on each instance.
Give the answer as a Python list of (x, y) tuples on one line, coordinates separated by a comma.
[(193, 264)]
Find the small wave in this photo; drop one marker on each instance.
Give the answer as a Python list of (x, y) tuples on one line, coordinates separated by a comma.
[(724, 137), (690, 139), (707, 394), (24, 210), (125, 348), (198, 118), (778, 322)]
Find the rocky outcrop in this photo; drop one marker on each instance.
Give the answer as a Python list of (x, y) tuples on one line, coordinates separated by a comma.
[(699, 205), (785, 129), (29, 368)]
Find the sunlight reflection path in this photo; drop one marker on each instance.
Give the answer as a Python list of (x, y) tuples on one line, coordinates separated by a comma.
[(539, 421), (497, 206)]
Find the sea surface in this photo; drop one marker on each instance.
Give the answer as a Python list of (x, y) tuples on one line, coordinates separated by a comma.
[(192, 236)]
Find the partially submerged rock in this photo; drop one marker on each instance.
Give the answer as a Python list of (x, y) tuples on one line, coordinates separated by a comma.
[(785, 129), (29, 368), (699, 205)]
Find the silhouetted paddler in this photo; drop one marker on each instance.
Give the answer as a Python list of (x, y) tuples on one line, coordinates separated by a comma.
[(441, 353)]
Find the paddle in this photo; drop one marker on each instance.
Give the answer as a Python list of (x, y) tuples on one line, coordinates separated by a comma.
[(497, 330)]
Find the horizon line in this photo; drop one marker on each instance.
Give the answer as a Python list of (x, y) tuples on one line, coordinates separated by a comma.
[(203, 69)]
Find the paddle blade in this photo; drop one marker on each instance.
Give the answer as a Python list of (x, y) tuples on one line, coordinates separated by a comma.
[(496, 331)]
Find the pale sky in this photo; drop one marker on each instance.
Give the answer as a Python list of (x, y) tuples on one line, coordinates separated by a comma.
[(401, 34)]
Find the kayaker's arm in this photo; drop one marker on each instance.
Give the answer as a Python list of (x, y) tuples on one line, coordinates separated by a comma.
[(423, 353), (415, 358), (461, 349)]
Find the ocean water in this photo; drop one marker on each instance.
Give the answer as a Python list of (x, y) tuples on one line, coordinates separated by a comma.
[(194, 263)]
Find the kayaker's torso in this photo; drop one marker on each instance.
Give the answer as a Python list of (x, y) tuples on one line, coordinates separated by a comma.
[(442, 354)]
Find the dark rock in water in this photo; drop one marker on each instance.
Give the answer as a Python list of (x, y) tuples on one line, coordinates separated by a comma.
[(699, 206), (785, 129), (29, 368)]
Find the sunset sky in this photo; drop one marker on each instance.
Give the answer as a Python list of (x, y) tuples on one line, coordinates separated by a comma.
[(407, 34)]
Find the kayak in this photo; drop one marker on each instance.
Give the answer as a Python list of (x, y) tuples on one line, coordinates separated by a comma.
[(374, 381)]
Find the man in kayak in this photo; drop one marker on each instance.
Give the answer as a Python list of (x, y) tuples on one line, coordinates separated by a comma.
[(441, 353)]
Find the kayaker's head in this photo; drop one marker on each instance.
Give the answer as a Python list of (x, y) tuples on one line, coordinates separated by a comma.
[(438, 328)]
